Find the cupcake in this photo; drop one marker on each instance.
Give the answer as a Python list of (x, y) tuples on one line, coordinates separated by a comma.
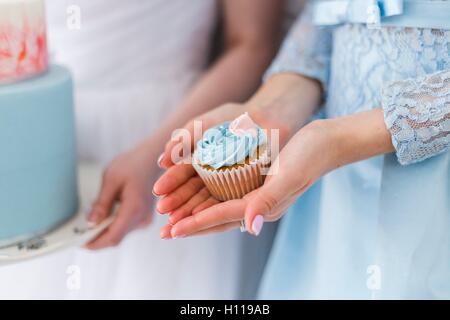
[(231, 157)]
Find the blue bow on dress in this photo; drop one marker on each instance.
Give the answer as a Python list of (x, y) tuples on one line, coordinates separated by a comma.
[(405, 13)]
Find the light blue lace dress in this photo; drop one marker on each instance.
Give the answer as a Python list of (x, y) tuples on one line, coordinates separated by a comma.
[(378, 228)]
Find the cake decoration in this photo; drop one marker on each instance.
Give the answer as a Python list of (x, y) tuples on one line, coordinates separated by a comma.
[(244, 125), (23, 40)]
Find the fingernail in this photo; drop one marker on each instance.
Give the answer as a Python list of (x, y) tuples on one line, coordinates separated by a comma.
[(158, 210), (91, 224), (160, 158), (176, 236), (257, 224), (165, 237), (93, 217)]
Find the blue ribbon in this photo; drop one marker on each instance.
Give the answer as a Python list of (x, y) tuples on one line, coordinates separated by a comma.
[(406, 13)]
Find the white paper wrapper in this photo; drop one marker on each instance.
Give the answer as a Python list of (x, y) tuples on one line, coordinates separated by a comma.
[(235, 182)]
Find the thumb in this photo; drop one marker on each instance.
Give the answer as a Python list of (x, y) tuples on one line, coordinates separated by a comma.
[(262, 203), (105, 201), (182, 142), (265, 202)]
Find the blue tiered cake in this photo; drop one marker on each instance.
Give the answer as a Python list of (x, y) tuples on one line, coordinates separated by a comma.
[(38, 182)]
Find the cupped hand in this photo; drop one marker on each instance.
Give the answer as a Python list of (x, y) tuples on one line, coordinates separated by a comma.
[(127, 181), (308, 155), (174, 148), (185, 192), (182, 192)]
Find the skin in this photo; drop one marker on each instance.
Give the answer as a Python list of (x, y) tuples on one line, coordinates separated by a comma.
[(315, 149), (251, 35)]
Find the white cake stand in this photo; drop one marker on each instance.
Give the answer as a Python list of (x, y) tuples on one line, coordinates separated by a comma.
[(74, 232)]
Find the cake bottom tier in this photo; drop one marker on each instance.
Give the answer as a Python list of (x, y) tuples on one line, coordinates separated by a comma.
[(37, 199), (38, 173)]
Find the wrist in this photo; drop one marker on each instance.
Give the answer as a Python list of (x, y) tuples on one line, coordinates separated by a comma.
[(150, 149), (286, 101), (326, 135), (356, 137)]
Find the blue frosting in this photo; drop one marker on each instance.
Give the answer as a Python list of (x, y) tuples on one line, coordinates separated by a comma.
[(220, 147), (38, 180)]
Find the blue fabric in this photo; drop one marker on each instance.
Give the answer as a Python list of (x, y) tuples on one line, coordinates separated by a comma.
[(376, 228), (400, 13), (38, 183), (417, 113), (413, 229)]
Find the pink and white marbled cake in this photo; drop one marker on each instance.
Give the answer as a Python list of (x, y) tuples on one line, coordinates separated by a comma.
[(23, 40)]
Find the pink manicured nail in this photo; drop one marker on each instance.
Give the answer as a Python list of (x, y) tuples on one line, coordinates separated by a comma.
[(161, 157), (257, 224)]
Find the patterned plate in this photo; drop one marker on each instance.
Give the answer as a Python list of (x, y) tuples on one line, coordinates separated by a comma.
[(74, 232)]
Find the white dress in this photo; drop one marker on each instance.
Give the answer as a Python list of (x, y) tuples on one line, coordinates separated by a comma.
[(132, 62)]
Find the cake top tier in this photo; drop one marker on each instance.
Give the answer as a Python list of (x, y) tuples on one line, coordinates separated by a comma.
[(23, 41)]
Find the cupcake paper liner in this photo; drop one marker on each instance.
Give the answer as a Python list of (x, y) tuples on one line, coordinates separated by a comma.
[(234, 182)]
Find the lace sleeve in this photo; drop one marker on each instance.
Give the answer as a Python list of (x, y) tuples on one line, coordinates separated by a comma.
[(417, 113), (306, 50)]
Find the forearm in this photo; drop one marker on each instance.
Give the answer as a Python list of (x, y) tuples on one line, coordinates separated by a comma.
[(288, 100), (355, 137), (234, 77)]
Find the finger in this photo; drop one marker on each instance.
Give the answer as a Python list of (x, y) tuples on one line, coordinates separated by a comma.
[(121, 225), (176, 145), (180, 196), (165, 232), (218, 229), (104, 203), (166, 235), (269, 199), (206, 204), (166, 159), (186, 209), (222, 213), (173, 178), (205, 121)]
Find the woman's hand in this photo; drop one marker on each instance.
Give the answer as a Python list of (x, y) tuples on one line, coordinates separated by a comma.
[(307, 156), (284, 103), (127, 180), (183, 191), (316, 149)]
